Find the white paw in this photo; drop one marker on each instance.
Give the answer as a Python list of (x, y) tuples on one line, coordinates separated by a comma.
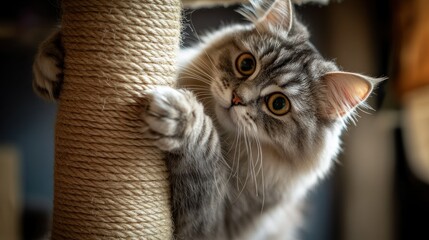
[(48, 68), (168, 116)]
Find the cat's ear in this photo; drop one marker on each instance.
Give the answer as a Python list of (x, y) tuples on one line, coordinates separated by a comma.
[(343, 92), (278, 17)]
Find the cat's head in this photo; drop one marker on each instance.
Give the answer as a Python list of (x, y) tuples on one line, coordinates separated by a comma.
[(269, 81)]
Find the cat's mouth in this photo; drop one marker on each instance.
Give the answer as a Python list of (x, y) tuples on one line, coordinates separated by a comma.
[(228, 110), (229, 116)]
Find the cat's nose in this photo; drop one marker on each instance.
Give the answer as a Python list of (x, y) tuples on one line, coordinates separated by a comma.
[(236, 100)]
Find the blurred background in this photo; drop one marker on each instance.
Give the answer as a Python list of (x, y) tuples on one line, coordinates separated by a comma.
[(379, 188)]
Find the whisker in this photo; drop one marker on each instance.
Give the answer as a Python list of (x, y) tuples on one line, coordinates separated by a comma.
[(247, 172), (197, 70), (202, 67), (252, 163), (236, 139), (259, 148), (192, 76), (199, 39), (237, 158), (188, 74), (194, 86), (260, 170)]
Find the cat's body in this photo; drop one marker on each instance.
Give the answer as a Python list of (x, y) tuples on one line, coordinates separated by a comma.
[(260, 126)]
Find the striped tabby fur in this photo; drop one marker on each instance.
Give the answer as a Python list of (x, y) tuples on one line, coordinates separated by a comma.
[(238, 171)]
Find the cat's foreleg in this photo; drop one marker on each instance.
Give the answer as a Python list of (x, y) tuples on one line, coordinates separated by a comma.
[(175, 121), (48, 67)]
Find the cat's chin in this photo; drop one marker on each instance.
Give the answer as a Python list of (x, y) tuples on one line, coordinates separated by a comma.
[(229, 118), (225, 119)]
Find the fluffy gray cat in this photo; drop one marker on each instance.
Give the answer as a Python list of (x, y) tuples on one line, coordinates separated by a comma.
[(253, 123)]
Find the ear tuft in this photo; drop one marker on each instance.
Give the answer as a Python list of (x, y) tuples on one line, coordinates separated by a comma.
[(344, 92), (277, 16)]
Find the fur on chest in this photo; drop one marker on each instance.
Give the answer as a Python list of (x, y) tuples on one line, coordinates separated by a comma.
[(279, 222)]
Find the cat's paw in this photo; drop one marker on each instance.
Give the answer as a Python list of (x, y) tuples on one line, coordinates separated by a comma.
[(169, 115), (48, 68)]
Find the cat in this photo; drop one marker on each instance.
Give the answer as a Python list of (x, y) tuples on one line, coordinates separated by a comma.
[(208, 3), (254, 123)]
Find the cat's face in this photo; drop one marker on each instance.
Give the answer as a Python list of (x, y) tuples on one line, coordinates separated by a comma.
[(264, 86), (269, 82)]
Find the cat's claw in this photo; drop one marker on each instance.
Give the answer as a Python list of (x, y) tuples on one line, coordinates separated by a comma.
[(48, 68), (168, 116)]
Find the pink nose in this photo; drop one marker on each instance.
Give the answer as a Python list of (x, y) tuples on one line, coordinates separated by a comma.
[(236, 100)]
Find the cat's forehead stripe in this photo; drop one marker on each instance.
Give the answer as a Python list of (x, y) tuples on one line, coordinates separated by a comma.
[(289, 80), (225, 62), (237, 45)]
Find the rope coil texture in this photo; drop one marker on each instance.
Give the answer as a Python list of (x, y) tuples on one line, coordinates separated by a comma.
[(109, 184)]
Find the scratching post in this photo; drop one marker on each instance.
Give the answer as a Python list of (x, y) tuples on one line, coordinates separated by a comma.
[(108, 182)]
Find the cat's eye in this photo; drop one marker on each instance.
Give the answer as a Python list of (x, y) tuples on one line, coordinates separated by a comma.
[(246, 64), (277, 103)]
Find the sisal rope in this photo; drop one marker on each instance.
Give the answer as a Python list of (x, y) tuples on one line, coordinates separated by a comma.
[(108, 182)]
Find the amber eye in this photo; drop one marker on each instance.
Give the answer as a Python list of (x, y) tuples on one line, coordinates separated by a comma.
[(277, 103), (245, 64)]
